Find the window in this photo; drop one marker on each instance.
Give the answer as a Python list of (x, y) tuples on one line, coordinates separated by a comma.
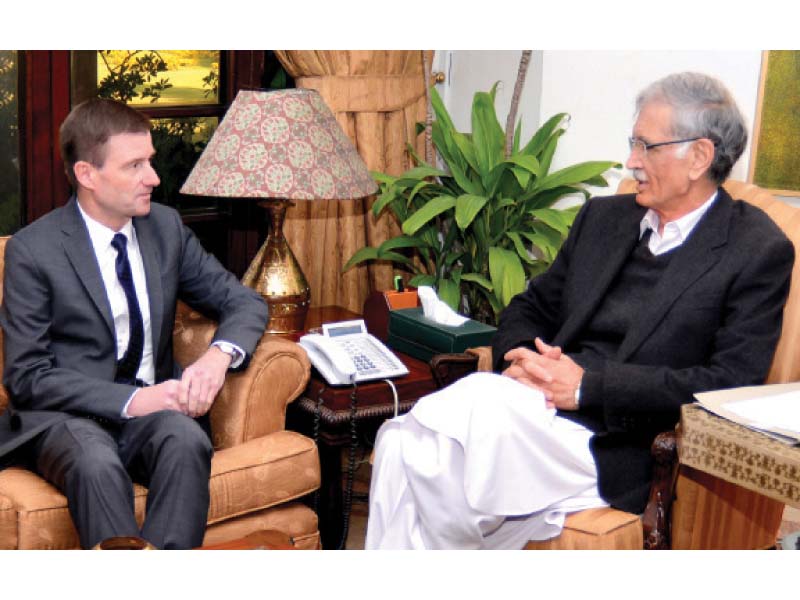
[(10, 186), (178, 89)]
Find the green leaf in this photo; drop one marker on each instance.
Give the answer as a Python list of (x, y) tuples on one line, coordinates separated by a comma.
[(479, 279), (541, 199), (505, 202), (523, 176), (450, 259), (552, 217), (439, 109), (422, 279), (361, 255), (494, 302), (467, 148), (506, 273), (431, 209), (412, 194), (493, 91), (402, 241), (541, 137), (391, 193), (449, 293), (382, 177), (417, 158), (522, 251), (598, 181), (546, 155), (517, 135), (421, 172), (395, 257), (575, 174), (467, 206), (547, 239), (487, 135), (529, 163)]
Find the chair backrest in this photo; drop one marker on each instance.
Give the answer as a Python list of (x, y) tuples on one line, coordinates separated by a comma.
[(786, 363)]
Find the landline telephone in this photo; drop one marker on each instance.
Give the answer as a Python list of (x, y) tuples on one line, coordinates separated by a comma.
[(347, 354)]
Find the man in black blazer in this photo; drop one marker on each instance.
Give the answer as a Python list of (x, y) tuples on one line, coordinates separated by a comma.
[(619, 350), (89, 304), (654, 296)]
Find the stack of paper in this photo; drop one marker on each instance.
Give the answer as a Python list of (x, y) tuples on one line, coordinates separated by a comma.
[(774, 409)]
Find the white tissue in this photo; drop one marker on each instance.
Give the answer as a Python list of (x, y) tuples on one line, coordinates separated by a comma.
[(436, 310)]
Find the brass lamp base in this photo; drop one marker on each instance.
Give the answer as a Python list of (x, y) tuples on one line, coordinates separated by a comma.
[(277, 276)]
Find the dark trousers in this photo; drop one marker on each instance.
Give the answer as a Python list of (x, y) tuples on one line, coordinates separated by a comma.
[(94, 467)]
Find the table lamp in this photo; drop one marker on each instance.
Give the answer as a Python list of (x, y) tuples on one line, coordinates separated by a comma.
[(280, 146)]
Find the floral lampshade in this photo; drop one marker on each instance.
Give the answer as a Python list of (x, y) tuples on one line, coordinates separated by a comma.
[(281, 144), (279, 147)]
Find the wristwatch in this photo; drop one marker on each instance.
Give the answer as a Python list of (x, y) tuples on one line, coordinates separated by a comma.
[(228, 349)]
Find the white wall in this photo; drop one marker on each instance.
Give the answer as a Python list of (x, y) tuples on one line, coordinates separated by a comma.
[(597, 88), (470, 71)]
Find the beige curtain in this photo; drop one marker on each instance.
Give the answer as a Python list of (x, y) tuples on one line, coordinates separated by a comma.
[(378, 96)]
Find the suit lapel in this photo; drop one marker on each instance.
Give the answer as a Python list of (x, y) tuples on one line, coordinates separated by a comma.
[(600, 267), (78, 246), (692, 260), (152, 271)]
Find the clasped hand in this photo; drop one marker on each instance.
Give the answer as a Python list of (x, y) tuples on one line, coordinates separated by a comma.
[(192, 395), (555, 374)]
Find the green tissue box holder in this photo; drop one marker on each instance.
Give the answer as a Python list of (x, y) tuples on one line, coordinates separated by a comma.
[(410, 332)]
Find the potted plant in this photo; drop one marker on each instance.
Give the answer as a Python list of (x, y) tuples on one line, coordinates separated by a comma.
[(480, 228)]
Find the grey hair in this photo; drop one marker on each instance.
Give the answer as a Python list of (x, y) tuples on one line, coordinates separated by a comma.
[(702, 107)]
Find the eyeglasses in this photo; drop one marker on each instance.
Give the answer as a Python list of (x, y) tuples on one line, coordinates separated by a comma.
[(637, 145)]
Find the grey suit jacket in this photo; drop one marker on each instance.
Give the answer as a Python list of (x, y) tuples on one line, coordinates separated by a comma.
[(714, 322), (60, 346)]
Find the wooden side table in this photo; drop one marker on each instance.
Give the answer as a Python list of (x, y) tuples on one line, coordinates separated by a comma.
[(329, 415), (739, 455), (740, 477)]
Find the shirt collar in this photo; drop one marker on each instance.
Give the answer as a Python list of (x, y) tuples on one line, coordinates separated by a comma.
[(682, 226), (102, 235)]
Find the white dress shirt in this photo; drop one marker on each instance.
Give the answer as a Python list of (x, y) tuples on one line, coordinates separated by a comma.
[(101, 237), (675, 232)]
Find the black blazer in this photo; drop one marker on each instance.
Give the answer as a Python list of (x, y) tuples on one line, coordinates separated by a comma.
[(714, 322), (59, 340)]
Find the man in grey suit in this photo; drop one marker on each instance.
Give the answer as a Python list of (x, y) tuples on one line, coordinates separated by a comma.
[(654, 296), (89, 304)]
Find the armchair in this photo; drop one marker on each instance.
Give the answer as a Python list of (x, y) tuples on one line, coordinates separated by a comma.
[(258, 470), (707, 512)]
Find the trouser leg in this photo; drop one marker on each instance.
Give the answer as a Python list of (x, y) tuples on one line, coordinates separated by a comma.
[(170, 454), (421, 506), (80, 458)]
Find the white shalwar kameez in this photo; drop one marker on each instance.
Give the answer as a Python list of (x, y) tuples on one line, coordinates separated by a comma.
[(480, 464)]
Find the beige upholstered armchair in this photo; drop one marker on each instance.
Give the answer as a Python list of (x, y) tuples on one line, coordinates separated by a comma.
[(707, 512), (258, 472)]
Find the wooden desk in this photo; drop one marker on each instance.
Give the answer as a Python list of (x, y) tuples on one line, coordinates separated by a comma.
[(739, 455), (330, 416)]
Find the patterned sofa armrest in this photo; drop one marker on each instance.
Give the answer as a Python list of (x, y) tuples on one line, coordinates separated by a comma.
[(253, 402)]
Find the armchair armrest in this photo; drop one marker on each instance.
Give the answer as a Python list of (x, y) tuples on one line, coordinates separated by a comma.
[(656, 518), (447, 368), (251, 403)]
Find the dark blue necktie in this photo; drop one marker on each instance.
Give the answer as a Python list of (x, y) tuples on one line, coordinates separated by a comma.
[(128, 365)]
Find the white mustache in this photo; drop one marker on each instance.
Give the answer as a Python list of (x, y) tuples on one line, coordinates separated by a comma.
[(639, 175)]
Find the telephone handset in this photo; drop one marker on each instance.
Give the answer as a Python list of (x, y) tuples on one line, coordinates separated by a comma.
[(347, 354), (329, 358)]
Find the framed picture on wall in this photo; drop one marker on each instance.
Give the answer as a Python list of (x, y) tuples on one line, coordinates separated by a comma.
[(775, 158)]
